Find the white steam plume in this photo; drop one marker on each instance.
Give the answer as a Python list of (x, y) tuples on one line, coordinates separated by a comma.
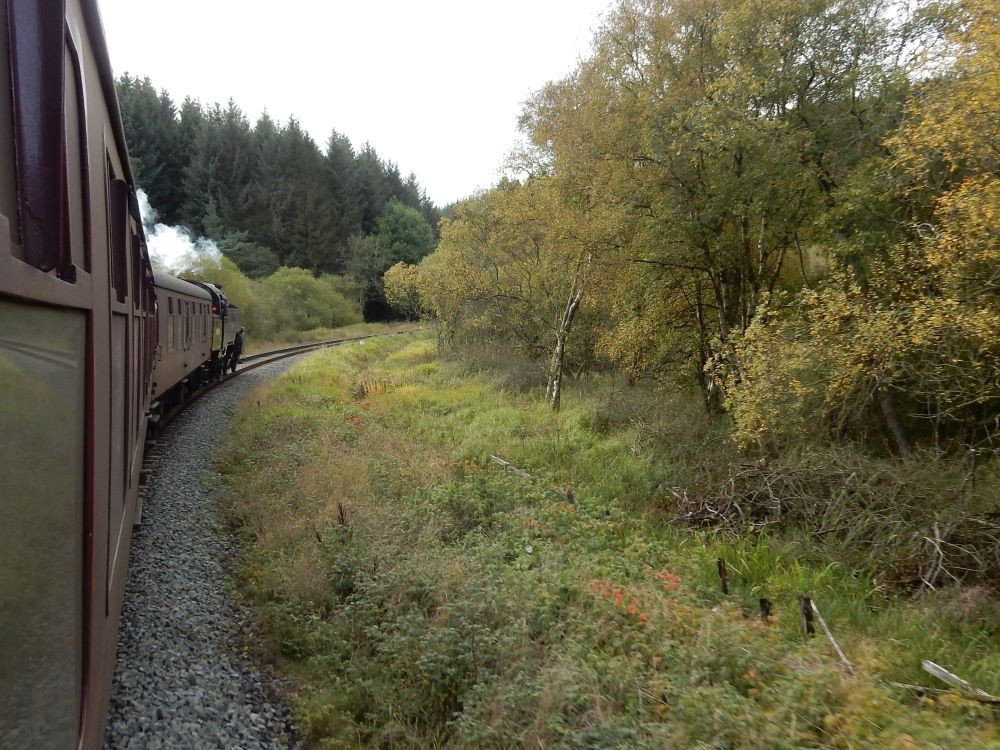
[(172, 249)]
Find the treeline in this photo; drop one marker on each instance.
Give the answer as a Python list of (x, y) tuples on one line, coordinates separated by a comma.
[(793, 207), (269, 195)]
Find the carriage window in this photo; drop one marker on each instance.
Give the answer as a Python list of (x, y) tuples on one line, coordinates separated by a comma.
[(77, 163), (136, 270), (118, 229), (36, 36), (170, 324)]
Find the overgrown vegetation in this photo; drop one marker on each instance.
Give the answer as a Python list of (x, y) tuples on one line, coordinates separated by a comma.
[(742, 305), (421, 597)]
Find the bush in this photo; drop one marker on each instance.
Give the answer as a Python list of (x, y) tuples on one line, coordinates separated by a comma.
[(288, 302), (295, 300), (402, 289), (888, 362)]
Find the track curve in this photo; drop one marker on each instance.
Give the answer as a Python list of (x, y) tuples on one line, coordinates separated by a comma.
[(253, 361), (185, 675)]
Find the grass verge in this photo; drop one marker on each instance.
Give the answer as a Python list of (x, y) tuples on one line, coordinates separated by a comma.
[(420, 597), (254, 345)]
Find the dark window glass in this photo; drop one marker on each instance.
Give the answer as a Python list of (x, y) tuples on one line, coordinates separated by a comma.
[(36, 33), (136, 270), (118, 231), (77, 160)]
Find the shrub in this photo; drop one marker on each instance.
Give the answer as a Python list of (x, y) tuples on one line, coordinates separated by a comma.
[(295, 300)]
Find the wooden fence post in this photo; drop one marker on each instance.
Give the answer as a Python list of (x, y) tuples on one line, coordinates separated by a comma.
[(765, 608), (806, 614), (723, 578)]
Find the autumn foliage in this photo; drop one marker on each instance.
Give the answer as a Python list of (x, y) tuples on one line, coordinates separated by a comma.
[(914, 332), (791, 205)]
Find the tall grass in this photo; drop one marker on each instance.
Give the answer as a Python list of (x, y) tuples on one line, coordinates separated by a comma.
[(421, 597)]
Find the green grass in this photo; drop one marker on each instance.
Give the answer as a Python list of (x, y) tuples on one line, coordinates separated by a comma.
[(421, 597), (255, 345)]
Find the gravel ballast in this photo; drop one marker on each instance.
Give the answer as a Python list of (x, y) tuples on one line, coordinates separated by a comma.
[(184, 678)]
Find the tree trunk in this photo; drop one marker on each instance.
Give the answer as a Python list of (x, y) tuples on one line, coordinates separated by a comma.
[(892, 422), (553, 389), (709, 391)]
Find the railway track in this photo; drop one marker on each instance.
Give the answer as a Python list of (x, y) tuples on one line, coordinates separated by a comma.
[(152, 454), (256, 360), (260, 359), (194, 688)]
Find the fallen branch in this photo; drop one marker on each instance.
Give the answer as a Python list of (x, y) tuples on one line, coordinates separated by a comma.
[(916, 688), (507, 465), (829, 635), (955, 681)]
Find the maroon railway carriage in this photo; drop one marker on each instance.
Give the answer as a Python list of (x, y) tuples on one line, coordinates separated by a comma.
[(77, 327), (184, 323), (195, 330), (93, 345)]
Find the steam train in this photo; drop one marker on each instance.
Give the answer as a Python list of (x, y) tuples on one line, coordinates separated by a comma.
[(94, 346)]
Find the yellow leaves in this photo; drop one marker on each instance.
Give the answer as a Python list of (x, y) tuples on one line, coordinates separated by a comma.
[(927, 322), (832, 721), (965, 247), (818, 365), (957, 115), (506, 264)]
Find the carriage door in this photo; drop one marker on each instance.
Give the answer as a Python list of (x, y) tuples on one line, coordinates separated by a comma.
[(120, 386)]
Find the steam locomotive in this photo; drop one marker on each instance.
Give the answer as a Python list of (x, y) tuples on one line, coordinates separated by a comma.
[(94, 346)]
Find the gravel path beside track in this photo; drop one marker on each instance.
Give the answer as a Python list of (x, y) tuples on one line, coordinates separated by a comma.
[(183, 679)]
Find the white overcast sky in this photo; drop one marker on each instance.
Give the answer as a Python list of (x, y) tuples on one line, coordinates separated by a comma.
[(434, 85)]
